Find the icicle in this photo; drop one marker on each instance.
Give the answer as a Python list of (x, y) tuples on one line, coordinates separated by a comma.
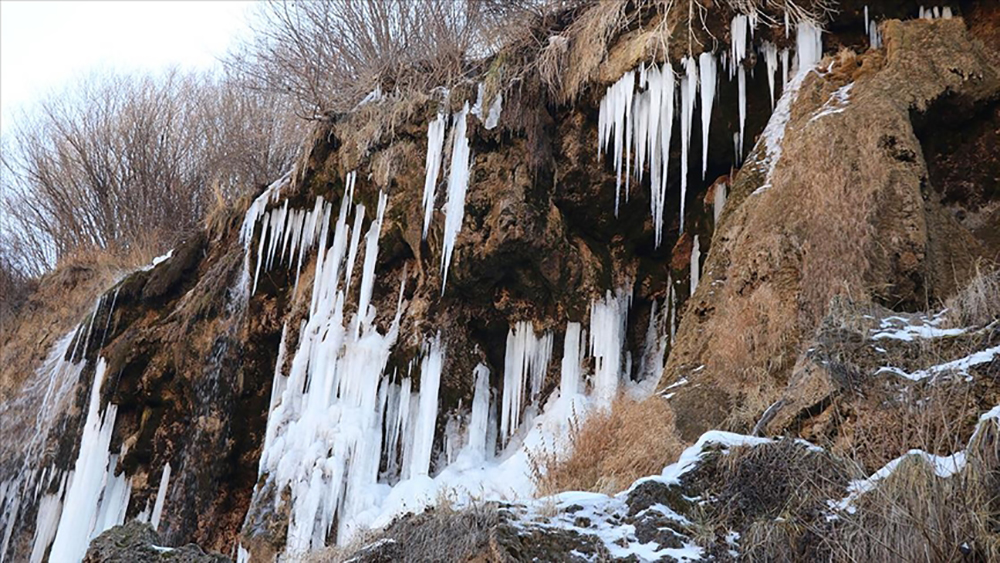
[(809, 45), (161, 497), (706, 64), (875, 36), (432, 167), (689, 89), (493, 118), (458, 183), (607, 337), (613, 121), (695, 264), (946, 12), (430, 380), (866, 17), (770, 51), (720, 201), (738, 44), (571, 368), (742, 81), (352, 255), (937, 12), (478, 431), (784, 69), (526, 362)]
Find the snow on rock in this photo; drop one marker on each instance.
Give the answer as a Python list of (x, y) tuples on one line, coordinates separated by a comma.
[(956, 367), (837, 103), (909, 328), (943, 466)]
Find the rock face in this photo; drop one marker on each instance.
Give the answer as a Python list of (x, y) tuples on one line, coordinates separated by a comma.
[(884, 190), (138, 542), (850, 204)]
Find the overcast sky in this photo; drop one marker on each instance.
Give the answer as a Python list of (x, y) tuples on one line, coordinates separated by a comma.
[(45, 45)]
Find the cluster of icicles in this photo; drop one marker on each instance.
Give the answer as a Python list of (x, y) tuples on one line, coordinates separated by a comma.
[(72, 507), (353, 443), (638, 111)]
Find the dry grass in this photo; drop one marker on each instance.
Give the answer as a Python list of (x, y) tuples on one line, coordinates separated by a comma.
[(916, 515), (62, 299), (611, 449), (978, 304)]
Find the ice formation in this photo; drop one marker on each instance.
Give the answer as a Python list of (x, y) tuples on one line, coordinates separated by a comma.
[(689, 88), (708, 69), (432, 167), (613, 119), (809, 43), (608, 318), (525, 364), (695, 264), (96, 498), (458, 183), (493, 117), (719, 201), (161, 497), (934, 13), (770, 51)]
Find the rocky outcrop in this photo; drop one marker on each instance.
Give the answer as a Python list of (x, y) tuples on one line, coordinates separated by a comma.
[(848, 205), (138, 542)]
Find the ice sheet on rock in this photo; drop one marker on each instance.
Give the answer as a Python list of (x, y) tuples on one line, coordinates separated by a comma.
[(458, 184)]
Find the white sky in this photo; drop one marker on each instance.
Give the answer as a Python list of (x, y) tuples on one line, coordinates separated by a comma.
[(44, 45)]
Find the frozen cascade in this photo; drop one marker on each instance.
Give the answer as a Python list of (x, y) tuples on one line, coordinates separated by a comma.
[(708, 69), (784, 55), (96, 499), (47, 522), (458, 183), (48, 392), (161, 496), (323, 439), (526, 362), (607, 338), (689, 89), (432, 167), (770, 51), (695, 264)]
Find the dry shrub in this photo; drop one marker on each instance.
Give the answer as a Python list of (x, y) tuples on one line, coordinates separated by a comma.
[(916, 515), (977, 304), (611, 449)]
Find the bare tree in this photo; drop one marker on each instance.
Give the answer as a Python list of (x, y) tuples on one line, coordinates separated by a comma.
[(329, 55), (120, 162)]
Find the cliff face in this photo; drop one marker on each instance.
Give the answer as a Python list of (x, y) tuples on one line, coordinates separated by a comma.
[(301, 369)]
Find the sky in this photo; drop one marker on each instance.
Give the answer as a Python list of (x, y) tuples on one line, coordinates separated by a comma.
[(45, 45)]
